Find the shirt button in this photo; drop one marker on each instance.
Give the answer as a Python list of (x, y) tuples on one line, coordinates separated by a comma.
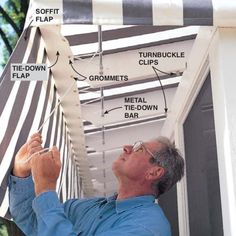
[(14, 182), (99, 217)]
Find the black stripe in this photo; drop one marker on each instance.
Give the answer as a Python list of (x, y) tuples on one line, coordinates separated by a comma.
[(51, 120), (137, 12), (80, 39), (198, 12), (79, 12)]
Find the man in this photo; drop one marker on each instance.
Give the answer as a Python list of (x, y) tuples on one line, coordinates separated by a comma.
[(144, 171)]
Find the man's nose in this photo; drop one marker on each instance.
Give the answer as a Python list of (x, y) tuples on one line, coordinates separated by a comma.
[(127, 149)]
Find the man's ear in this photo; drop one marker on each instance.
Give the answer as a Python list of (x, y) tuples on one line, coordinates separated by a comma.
[(155, 172)]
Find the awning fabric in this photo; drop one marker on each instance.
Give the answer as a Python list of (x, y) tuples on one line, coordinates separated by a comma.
[(24, 106), (135, 12)]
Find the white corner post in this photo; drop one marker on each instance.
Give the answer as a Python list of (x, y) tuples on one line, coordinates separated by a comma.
[(222, 57)]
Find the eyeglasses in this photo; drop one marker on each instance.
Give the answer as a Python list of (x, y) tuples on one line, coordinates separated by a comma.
[(138, 145)]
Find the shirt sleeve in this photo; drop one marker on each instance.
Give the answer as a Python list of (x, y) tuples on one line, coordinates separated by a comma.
[(21, 195), (51, 216), (36, 216)]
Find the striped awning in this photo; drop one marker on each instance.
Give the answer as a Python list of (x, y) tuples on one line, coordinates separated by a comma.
[(24, 107), (133, 12)]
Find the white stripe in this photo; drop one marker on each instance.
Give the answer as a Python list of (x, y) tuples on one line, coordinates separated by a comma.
[(8, 109), (106, 12), (167, 12), (5, 164), (135, 40), (224, 13), (5, 204)]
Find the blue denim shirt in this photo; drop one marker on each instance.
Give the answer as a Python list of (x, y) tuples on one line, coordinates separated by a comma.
[(45, 215)]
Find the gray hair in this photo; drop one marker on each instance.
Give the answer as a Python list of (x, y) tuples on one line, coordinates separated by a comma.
[(173, 163)]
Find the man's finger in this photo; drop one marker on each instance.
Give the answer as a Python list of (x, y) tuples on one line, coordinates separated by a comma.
[(56, 155), (35, 135), (35, 140), (35, 150), (34, 143)]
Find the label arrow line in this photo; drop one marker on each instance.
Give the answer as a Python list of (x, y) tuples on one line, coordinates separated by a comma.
[(163, 72), (164, 95), (58, 54), (27, 30), (107, 111), (71, 63)]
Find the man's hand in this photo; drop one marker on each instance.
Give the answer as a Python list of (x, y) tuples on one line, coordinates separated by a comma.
[(45, 170), (22, 169)]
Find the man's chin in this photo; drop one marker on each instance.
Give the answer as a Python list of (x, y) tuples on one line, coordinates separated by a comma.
[(116, 166)]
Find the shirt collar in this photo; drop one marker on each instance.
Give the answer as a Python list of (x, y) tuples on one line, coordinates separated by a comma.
[(130, 203)]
